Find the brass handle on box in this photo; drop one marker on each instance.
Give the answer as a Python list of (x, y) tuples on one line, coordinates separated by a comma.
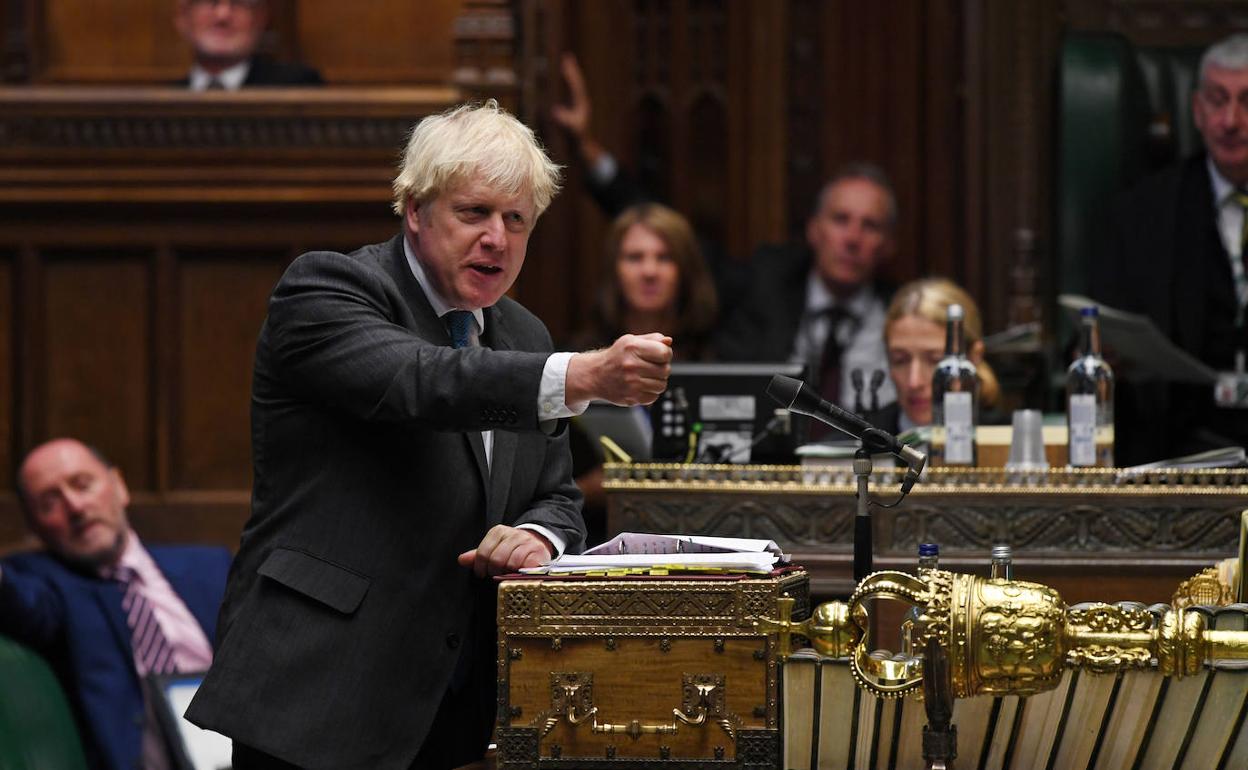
[(635, 729)]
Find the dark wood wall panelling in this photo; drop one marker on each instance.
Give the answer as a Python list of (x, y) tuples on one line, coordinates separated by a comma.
[(1159, 22), (138, 336), (79, 41), (142, 229), (684, 95)]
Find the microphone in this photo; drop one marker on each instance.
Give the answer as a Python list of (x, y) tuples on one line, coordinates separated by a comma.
[(855, 378), (796, 396), (877, 379)]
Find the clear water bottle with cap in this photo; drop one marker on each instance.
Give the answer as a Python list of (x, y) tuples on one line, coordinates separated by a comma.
[(1002, 563), (929, 556), (929, 559), (1090, 399), (955, 399)]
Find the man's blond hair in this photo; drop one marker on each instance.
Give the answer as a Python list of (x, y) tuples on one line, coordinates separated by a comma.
[(474, 141)]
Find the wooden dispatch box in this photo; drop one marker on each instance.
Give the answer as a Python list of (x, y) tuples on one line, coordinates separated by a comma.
[(640, 672)]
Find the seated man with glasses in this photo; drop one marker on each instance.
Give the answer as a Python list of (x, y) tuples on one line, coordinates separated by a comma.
[(224, 35)]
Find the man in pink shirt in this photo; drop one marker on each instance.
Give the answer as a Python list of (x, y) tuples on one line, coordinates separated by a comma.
[(107, 611)]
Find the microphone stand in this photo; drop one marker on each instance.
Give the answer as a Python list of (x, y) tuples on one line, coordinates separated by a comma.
[(796, 397), (940, 735), (863, 547), (873, 441)]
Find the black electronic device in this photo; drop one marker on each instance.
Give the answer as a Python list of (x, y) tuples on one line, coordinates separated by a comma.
[(720, 413)]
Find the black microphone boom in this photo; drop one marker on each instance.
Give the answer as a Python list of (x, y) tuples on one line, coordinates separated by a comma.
[(796, 396)]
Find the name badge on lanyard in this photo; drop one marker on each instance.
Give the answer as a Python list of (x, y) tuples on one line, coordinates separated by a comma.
[(1231, 389)]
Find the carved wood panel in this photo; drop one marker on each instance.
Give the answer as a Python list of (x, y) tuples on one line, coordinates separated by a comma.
[(221, 301), (135, 41), (8, 318), (97, 353), (381, 41), (1159, 22)]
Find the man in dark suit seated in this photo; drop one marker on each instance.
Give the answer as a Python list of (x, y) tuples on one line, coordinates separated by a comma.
[(225, 35), (1175, 252), (409, 443), (820, 302), (103, 608)]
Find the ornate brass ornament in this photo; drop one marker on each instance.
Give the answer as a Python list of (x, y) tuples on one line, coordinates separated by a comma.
[(703, 700), (572, 695), (1215, 586), (779, 479), (1001, 637)]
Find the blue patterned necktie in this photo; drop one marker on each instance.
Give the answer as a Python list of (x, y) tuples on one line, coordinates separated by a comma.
[(459, 323), (153, 654)]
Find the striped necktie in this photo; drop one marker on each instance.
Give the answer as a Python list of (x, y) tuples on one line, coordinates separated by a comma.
[(459, 324), (153, 654)]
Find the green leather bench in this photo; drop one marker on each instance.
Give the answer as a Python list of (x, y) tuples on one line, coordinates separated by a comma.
[(1124, 112), (37, 729)]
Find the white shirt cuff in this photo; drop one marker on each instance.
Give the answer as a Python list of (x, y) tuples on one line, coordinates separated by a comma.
[(552, 394), (554, 539)]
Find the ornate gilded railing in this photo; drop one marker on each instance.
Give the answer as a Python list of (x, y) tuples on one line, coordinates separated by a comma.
[(793, 478)]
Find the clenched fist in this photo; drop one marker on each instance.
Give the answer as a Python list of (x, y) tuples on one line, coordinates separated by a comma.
[(633, 370)]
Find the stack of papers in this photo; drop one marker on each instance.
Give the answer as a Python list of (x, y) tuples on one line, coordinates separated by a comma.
[(632, 553), (1141, 350)]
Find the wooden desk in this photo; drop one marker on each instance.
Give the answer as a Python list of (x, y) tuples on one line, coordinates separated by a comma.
[(1092, 534)]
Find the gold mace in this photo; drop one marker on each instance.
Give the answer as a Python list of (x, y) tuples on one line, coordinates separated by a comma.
[(1001, 637)]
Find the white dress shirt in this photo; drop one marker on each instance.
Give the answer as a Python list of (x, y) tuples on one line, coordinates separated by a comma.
[(231, 78), (551, 394), (1230, 213), (863, 343)]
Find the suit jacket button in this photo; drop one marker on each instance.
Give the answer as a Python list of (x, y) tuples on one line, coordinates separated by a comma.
[(452, 640)]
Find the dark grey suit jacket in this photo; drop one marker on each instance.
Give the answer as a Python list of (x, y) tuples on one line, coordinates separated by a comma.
[(345, 611), (1161, 255)]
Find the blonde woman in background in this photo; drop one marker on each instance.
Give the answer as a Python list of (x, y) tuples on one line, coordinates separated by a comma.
[(914, 336)]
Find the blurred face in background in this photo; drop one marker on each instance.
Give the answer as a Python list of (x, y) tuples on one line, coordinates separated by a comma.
[(851, 233), (75, 503), (222, 32), (648, 276), (915, 345), (1220, 110)]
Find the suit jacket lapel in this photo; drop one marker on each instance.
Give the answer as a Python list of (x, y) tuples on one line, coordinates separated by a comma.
[(1197, 250), (499, 479), (792, 304), (429, 326), (108, 595)]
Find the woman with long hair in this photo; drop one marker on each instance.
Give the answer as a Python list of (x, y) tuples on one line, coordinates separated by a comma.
[(655, 280), (914, 337)]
